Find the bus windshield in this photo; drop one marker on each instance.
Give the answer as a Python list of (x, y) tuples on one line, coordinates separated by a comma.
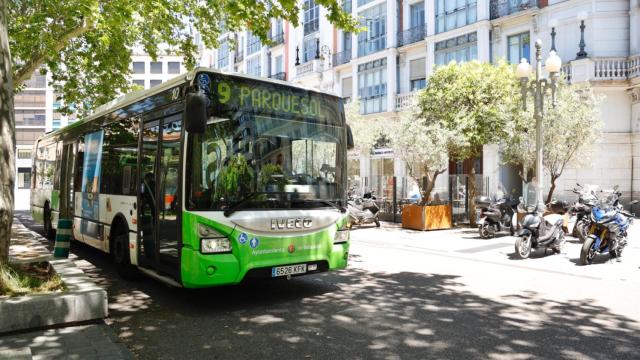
[(264, 159)]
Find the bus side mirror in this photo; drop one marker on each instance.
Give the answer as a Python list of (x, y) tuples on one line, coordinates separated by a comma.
[(350, 143), (195, 112)]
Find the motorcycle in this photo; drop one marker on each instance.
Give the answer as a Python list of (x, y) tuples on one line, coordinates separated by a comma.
[(496, 216), (363, 210), (539, 231), (581, 210), (608, 231)]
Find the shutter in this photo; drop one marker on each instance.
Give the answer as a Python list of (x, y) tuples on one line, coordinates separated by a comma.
[(417, 69), (347, 87)]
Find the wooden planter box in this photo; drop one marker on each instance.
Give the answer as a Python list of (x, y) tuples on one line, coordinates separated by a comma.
[(430, 217)]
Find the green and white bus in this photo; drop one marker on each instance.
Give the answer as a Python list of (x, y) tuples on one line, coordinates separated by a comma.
[(205, 180)]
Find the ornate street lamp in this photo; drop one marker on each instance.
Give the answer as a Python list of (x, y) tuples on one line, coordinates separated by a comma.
[(553, 23), (538, 89), (582, 16)]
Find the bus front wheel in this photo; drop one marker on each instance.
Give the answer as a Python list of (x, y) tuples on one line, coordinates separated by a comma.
[(121, 257)]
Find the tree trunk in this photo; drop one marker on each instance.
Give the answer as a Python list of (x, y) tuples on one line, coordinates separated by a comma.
[(7, 138), (428, 188), (553, 187), (471, 194)]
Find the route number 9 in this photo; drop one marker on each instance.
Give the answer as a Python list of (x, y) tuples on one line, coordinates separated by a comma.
[(224, 92)]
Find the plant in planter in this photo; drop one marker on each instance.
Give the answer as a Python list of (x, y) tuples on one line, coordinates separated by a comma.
[(424, 149)]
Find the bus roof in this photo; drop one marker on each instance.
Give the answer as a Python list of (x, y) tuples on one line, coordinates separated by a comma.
[(136, 96)]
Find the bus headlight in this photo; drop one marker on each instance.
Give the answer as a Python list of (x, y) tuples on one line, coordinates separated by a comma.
[(342, 236), (215, 245), (211, 241)]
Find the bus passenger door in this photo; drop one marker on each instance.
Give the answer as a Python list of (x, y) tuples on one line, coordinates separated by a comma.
[(147, 194), (66, 181)]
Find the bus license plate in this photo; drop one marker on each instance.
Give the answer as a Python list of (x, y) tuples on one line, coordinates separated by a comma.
[(288, 270)]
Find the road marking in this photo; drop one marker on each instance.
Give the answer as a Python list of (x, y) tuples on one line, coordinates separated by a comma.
[(478, 249)]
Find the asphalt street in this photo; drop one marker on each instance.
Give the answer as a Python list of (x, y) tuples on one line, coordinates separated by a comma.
[(405, 295)]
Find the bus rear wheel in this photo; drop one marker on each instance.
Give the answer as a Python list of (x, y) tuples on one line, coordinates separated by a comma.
[(121, 257)]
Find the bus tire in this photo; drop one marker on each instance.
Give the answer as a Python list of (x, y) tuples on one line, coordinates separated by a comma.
[(49, 233), (121, 257)]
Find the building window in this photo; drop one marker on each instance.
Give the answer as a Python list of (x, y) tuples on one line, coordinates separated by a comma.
[(24, 154), (138, 67), (417, 74), (24, 178), (519, 47), (139, 83), (36, 81), (364, 2), (30, 98), (253, 43), (156, 67), (28, 136), (417, 14), (173, 67), (278, 64), (309, 48), (461, 49), (153, 83), (452, 14), (347, 89), (30, 117), (253, 66), (347, 6), (311, 17), (375, 38), (223, 54), (372, 86)]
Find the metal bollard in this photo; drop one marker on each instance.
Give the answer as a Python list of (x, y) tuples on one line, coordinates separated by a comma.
[(63, 239)]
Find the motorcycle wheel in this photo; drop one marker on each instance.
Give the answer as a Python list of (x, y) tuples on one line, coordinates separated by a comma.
[(588, 252), (582, 231), (484, 231), (377, 221), (523, 246)]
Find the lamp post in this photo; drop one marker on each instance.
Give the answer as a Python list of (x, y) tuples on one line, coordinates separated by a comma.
[(553, 23), (582, 16), (538, 89)]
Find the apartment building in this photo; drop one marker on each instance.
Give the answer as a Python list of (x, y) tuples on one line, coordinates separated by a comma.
[(407, 39), (36, 112), (147, 73)]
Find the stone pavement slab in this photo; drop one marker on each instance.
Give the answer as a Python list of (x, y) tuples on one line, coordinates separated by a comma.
[(95, 341)]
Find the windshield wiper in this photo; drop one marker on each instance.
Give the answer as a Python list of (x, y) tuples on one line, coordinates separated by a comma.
[(240, 204)]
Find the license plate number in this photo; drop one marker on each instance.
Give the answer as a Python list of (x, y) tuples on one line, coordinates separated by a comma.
[(288, 270)]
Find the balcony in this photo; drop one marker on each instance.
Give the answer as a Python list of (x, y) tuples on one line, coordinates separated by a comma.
[(341, 58), (238, 56), (310, 67), (412, 35), (277, 39), (405, 101), (501, 8), (280, 76), (602, 69)]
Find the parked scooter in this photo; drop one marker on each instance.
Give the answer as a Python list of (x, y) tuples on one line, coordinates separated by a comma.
[(581, 210), (538, 231), (363, 210), (496, 216)]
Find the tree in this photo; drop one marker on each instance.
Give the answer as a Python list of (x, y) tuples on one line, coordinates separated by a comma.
[(477, 103), (367, 130), (570, 130), (86, 46), (423, 148)]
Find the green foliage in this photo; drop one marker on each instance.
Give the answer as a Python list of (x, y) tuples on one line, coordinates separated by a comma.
[(367, 130), (28, 279), (476, 101), (570, 130), (87, 44), (272, 174), (235, 179)]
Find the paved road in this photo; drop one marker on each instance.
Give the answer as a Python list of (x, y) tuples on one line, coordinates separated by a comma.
[(406, 295)]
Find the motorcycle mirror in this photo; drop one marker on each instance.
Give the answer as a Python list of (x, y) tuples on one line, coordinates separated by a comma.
[(633, 202), (579, 184)]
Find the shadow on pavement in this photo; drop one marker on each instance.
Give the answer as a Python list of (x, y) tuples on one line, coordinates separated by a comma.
[(356, 314)]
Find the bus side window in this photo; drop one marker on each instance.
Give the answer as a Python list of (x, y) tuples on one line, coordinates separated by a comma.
[(58, 166)]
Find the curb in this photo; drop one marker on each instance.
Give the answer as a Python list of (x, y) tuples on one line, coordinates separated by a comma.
[(83, 301)]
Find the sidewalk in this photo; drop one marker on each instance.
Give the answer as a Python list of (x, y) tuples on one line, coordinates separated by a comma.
[(93, 341)]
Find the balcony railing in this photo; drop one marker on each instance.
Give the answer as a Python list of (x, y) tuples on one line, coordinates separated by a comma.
[(405, 101), (238, 56), (313, 66), (280, 76), (566, 71), (500, 8), (634, 66), (602, 69), (341, 57), (277, 39), (412, 35), (610, 68)]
